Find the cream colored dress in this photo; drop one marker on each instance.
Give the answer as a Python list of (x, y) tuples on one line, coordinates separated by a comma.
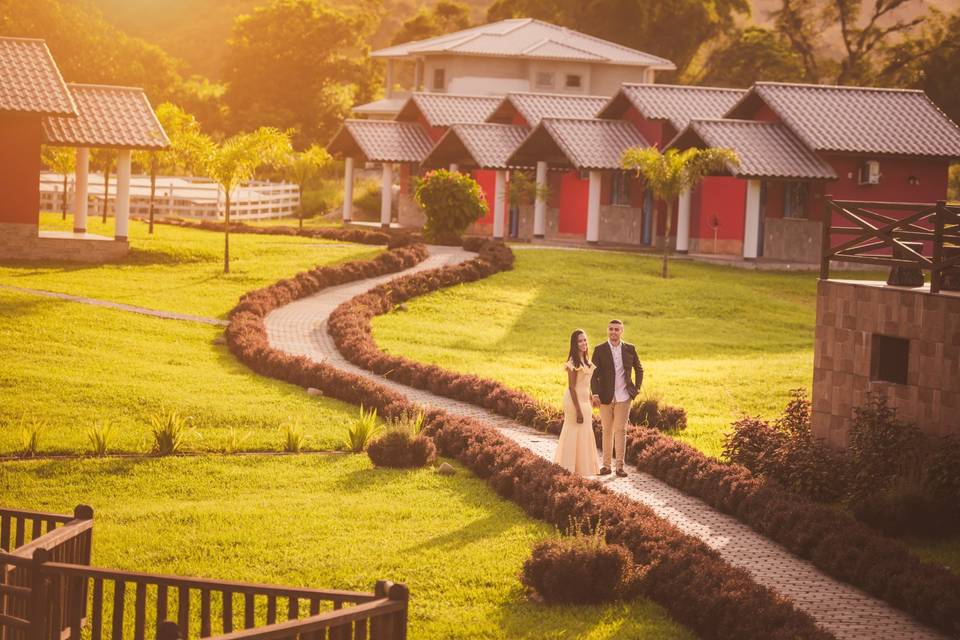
[(577, 448)]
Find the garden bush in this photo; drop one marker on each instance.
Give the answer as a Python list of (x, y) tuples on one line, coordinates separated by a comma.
[(400, 449), (651, 412), (580, 570), (451, 202)]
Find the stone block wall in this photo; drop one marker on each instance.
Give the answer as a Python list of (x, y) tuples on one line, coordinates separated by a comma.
[(24, 242), (849, 316), (791, 239)]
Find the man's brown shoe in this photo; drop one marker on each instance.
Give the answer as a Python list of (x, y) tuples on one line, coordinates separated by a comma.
[(604, 471), (621, 473)]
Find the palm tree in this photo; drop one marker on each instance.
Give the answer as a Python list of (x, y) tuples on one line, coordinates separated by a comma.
[(236, 160), (62, 160), (670, 173), (304, 167)]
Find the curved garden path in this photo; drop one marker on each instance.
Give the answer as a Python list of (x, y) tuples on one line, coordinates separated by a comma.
[(300, 328)]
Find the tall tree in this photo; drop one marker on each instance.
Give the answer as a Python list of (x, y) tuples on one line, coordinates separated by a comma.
[(304, 167), (668, 174), (445, 17), (62, 160), (297, 64), (673, 29), (752, 54), (104, 159), (236, 161)]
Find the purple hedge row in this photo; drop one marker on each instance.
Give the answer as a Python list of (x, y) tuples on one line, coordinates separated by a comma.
[(340, 234), (690, 580), (832, 540)]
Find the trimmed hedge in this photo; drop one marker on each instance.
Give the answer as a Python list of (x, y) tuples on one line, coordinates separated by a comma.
[(832, 540), (580, 570), (689, 579), (401, 450)]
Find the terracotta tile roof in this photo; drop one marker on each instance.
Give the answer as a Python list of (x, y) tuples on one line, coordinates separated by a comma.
[(583, 143), (30, 81), (766, 149), (857, 119), (536, 106), (678, 104), (527, 38), (117, 117), (383, 107), (381, 141), (487, 146), (445, 109)]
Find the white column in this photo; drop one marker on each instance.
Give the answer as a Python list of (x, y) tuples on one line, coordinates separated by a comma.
[(593, 207), (751, 223), (454, 167), (121, 212), (499, 204), (80, 190), (540, 203), (389, 91), (386, 194), (347, 189), (683, 221)]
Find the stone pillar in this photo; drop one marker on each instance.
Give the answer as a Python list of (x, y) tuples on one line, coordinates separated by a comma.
[(386, 194), (499, 204), (593, 207), (121, 213), (751, 224), (540, 203), (80, 190), (454, 167), (683, 221), (348, 189)]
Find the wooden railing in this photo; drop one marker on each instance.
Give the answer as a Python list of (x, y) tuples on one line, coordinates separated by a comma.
[(927, 236), (48, 591)]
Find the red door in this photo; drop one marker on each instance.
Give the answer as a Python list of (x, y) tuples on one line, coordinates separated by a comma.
[(573, 203)]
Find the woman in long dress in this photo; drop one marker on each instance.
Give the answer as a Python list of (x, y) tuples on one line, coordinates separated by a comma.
[(577, 448)]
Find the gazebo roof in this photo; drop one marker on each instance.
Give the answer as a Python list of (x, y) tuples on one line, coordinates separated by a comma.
[(30, 81), (582, 144), (677, 104), (487, 146), (381, 141), (445, 109), (534, 107), (110, 117)]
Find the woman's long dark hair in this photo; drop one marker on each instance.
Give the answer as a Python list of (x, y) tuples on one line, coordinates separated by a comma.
[(575, 355)]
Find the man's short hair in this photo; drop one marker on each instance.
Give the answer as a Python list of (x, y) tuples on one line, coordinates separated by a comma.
[(615, 321)]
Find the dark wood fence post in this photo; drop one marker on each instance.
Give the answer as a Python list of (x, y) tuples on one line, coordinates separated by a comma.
[(936, 271), (825, 237), (168, 630), (40, 597), (401, 593)]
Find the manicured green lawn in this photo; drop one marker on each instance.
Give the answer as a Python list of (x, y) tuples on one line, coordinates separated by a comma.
[(718, 341), (178, 269), (327, 522)]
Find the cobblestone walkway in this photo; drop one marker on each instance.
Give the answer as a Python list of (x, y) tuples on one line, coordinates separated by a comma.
[(119, 306), (300, 328)]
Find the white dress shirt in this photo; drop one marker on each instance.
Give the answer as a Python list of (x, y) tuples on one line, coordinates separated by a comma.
[(620, 385)]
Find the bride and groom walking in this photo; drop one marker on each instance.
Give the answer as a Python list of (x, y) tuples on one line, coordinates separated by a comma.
[(605, 380)]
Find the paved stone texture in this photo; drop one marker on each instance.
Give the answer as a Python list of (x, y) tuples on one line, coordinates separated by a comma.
[(300, 328), (96, 302)]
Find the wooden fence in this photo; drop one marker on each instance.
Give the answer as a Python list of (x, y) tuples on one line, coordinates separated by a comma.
[(925, 236), (49, 591)]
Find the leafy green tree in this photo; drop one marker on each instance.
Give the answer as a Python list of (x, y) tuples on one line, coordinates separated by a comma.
[(953, 183), (104, 159), (62, 160), (236, 161), (673, 29), (667, 174), (445, 17), (753, 54), (187, 152), (304, 167), (451, 201), (297, 64)]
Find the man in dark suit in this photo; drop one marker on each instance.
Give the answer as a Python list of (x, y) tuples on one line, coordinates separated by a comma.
[(614, 389)]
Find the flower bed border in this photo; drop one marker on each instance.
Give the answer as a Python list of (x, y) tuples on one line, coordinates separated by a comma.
[(833, 541), (341, 234), (689, 579)]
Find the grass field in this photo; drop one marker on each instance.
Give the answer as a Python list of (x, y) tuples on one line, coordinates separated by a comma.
[(327, 522), (718, 341), (178, 269)]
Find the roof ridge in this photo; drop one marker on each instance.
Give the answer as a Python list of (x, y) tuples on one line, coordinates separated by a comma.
[(563, 44), (607, 42), (23, 39), (653, 85), (556, 95), (90, 85), (738, 121), (769, 83), (432, 94)]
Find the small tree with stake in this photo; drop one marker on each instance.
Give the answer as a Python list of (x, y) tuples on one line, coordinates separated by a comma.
[(62, 160), (304, 167), (105, 159), (670, 173), (237, 159)]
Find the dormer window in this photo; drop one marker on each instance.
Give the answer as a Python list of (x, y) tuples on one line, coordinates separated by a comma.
[(439, 80), (544, 80), (573, 81)]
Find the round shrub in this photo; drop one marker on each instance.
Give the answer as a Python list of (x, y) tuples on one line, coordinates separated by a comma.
[(650, 412), (451, 201), (401, 450), (580, 570)]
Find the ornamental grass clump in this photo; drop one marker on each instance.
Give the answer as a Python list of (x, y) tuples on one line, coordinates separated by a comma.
[(100, 437), (170, 432), (451, 202), (362, 431), (31, 434), (292, 438)]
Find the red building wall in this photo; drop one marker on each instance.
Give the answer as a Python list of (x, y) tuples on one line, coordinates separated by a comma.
[(724, 197), (573, 203), (487, 178), (653, 131), (20, 169)]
